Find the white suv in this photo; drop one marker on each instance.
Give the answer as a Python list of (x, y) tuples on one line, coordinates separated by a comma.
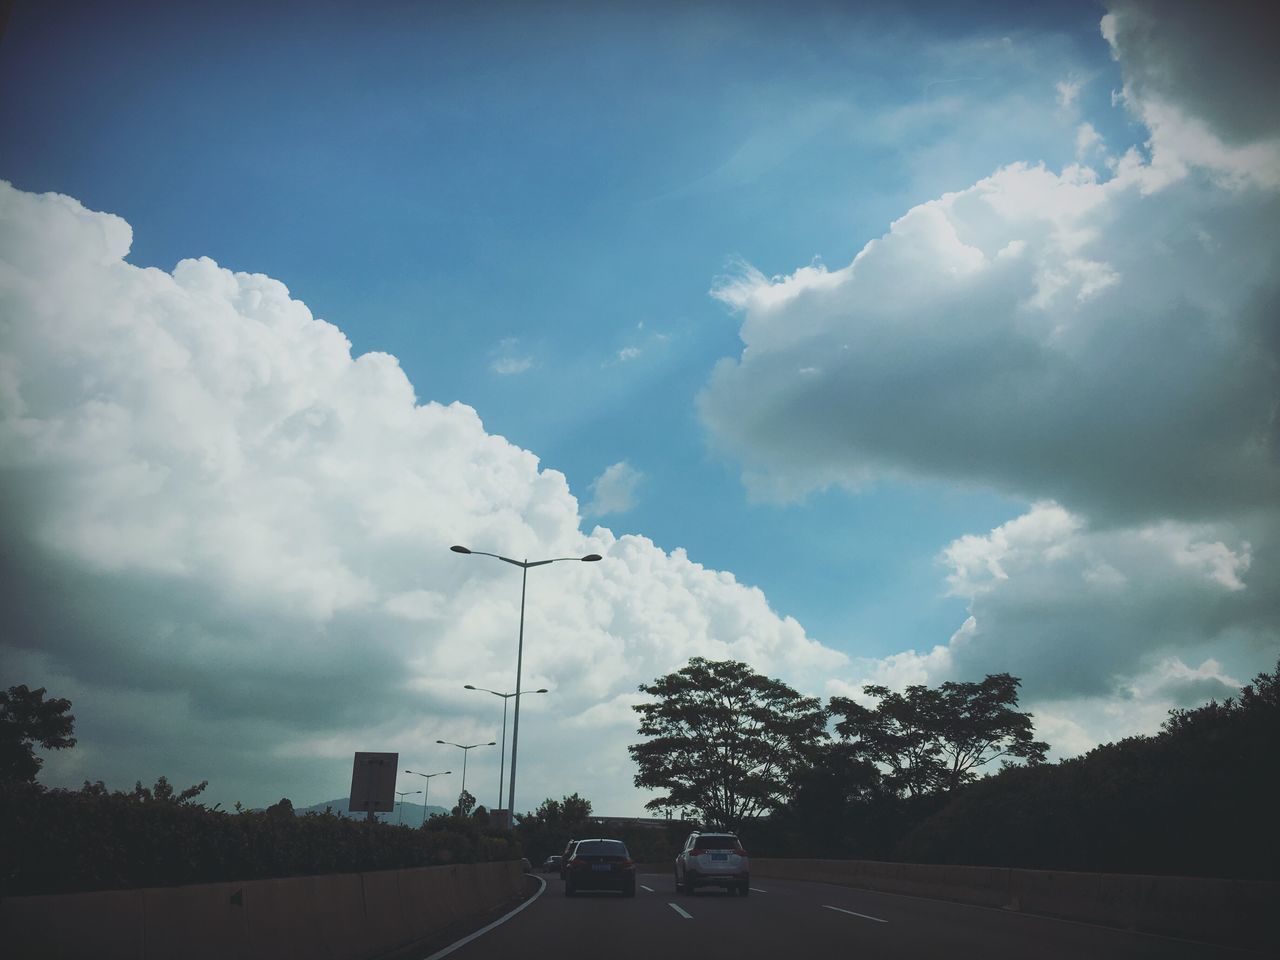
[(713, 860)]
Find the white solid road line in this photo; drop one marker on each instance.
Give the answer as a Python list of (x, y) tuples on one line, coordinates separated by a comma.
[(677, 910), (483, 930), (643, 887), (758, 890), (853, 914)]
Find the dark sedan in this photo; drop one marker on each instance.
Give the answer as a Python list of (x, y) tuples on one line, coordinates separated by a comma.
[(600, 865)]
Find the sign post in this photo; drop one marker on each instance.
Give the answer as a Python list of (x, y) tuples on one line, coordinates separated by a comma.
[(373, 783)]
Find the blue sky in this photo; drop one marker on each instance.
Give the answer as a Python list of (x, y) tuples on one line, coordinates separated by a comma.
[(529, 207), (437, 180)]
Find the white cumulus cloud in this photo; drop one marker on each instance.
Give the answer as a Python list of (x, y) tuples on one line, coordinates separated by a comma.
[(1102, 344), (226, 540), (614, 491)]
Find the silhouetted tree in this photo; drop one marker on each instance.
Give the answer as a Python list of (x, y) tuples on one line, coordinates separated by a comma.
[(27, 719), (163, 792), (838, 808), (934, 739), (465, 802), (553, 824), (1208, 779), (724, 740)]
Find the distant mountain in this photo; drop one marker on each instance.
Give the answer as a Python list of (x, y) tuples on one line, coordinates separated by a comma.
[(410, 812)]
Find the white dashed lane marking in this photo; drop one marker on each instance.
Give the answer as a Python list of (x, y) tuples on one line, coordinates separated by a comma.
[(853, 914), (679, 911), (643, 887), (758, 890)]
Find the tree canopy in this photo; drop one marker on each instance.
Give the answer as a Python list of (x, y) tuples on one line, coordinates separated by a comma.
[(934, 739), (724, 740), (1208, 779), (27, 719)]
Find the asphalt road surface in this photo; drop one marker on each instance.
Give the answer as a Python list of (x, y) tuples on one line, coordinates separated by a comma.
[(788, 918)]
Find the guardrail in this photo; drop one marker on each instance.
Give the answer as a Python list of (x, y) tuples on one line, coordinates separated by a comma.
[(348, 916), (1235, 912)]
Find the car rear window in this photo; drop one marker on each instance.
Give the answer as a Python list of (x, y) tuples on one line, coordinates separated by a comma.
[(601, 848), (717, 843)]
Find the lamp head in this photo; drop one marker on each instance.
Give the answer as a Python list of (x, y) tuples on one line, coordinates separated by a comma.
[(543, 690), (439, 741), (589, 557), (468, 687), (492, 743), (457, 549)]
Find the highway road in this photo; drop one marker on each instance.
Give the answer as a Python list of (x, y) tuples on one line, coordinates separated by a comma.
[(787, 918)]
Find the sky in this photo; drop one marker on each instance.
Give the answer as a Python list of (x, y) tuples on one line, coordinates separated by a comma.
[(880, 344)]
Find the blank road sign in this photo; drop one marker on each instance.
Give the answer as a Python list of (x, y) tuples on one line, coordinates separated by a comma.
[(373, 782)]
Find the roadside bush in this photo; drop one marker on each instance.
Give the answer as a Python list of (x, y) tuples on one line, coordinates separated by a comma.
[(65, 841), (1196, 799)]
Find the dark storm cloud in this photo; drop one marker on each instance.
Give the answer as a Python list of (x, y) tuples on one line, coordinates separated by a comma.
[(1216, 60)]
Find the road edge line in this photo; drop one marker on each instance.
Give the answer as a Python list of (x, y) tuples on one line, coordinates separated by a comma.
[(483, 930)]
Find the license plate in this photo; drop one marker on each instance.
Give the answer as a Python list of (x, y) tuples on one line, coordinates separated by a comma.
[(719, 856), (602, 867)]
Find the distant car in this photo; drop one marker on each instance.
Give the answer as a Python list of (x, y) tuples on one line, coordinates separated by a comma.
[(525, 865), (564, 857), (713, 860), (552, 864), (600, 864)]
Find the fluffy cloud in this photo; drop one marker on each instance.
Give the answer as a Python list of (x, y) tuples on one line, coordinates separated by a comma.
[(1212, 63), (1101, 623), (1102, 343), (1048, 334), (225, 539), (1077, 610), (614, 491)]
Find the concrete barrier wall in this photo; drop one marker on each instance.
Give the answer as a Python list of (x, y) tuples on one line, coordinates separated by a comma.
[(351, 916), (1235, 912)]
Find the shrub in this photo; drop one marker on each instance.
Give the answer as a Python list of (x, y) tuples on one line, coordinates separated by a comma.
[(65, 841)]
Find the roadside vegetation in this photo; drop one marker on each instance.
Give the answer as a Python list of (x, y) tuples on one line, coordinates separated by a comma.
[(951, 774), (546, 830), (69, 841), (954, 775)]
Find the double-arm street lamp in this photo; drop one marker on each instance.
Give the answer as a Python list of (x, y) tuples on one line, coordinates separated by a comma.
[(465, 750), (503, 751), (524, 566), (400, 803), (427, 786)]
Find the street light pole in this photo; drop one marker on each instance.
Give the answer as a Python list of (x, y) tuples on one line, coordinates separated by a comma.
[(524, 566), (400, 803), (505, 698), (427, 788), (465, 750)]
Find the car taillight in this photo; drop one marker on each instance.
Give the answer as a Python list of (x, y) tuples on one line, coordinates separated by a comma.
[(740, 852), (580, 865), (627, 864)]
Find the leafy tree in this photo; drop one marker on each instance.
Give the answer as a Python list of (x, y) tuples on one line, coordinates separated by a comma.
[(724, 740), (163, 792), (934, 739), (465, 802), (27, 719), (1209, 779), (553, 824), (575, 809), (837, 808)]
